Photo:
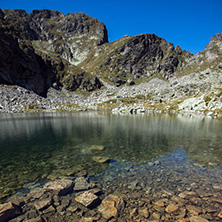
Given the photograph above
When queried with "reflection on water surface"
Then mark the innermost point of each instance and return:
(47, 145)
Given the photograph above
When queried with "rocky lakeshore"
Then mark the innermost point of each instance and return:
(194, 93)
(162, 190)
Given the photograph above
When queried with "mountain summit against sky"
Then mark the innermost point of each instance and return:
(47, 49)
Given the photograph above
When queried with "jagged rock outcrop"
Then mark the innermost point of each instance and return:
(208, 60)
(38, 50)
(140, 56)
(71, 36)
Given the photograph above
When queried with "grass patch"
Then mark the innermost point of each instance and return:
(111, 101)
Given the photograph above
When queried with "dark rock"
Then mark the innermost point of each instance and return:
(9, 211)
(81, 184)
(120, 82)
(32, 214)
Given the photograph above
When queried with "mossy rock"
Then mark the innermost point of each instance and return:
(97, 147)
(101, 159)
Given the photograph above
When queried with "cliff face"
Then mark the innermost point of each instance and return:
(70, 36)
(20, 65)
(39, 50)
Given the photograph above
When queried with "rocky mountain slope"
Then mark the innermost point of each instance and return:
(37, 55)
(65, 62)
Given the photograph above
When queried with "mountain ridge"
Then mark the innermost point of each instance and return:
(71, 54)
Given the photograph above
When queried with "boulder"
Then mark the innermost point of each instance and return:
(60, 187)
(111, 206)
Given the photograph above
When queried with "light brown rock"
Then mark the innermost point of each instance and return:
(197, 219)
(111, 206)
(144, 212)
(183, 220)
(87, 219)
(220, 215)
(35, 195)
(133, 212)
(42, 204)
(178, 200)
(182, 213)
(60, 187)
(187, 194)
(172, 208)
(217, 200)
(156, 216)
(195, 210)
(203, 193)
(87, 199)
(159, 203)
(218, 187)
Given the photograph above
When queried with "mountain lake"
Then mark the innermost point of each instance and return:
(146, 153)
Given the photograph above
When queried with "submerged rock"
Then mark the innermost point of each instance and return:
(97, 147)
(101, 159)
(111, 206)
(87, 199)
(197, 219)
(43, 204)
(172, 208)
(60, 187)
(81, 184)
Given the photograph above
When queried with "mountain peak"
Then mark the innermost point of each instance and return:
(75, 53)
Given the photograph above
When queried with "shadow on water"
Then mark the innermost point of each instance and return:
(35, 146)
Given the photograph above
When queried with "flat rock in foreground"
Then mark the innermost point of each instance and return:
(87, 199)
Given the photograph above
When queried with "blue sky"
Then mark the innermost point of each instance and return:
(188, 23)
